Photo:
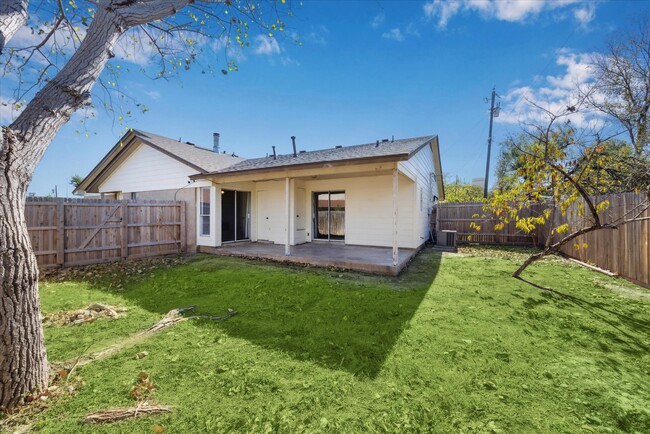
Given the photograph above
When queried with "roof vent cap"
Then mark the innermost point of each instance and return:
(302, 152)
(384, 140)
(339, 146)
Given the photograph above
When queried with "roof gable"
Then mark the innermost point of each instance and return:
(199, 159)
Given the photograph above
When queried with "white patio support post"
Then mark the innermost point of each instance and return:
(395, 202)
(287, 193)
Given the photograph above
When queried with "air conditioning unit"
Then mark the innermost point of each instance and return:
(446, 240)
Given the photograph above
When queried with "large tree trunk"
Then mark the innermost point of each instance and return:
(23, 362)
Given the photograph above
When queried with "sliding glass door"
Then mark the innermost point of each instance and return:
(329, 215)
(235, 215)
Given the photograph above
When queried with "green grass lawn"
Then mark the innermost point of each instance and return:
(453, 345)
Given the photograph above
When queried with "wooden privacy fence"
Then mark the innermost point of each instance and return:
(459, 217)
(624, 251)
(66, 232)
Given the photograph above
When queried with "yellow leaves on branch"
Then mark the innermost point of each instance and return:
(602, 206)
(528, 224)
(562, 228)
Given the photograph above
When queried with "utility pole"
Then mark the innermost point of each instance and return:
(494, 113)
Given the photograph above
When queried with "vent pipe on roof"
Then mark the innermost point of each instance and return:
(293, 140)
(392, 139)
(377, 144)
(215, 142)
(273, 152)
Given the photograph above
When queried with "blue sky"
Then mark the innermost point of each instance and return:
(366, 70)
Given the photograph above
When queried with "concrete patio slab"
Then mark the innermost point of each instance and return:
(378, 260)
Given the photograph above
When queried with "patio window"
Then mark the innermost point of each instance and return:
(329, 216)
(204, 211)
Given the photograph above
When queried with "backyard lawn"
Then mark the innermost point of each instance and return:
(452, 345)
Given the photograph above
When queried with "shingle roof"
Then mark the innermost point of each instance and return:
(403, 147)
(204, 159)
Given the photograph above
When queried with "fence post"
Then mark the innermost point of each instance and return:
(60, 233)
(125, 228)
(183, 234)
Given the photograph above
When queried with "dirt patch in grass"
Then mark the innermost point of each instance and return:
(623, 288)
(512, 253)
(113, 275)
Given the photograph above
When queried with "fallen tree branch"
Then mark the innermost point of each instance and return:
(81, 316)
(172, 317)
(113, 415)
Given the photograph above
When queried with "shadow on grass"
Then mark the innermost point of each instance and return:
(608, 316)
(340, 320)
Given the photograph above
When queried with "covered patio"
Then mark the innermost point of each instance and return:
(369, 259)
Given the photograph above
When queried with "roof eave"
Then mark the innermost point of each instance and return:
(331, 163)
(435, 143)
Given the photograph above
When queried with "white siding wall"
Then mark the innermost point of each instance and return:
(420, 167)
(368, 210)
(145, 170)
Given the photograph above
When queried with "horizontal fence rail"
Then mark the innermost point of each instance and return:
(460, 216)
(66, 232)
(624, 251)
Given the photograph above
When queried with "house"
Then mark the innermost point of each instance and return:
(146, 166)
(376, 194)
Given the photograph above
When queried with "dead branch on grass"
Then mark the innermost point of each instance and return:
(172, 317)
(81, 316)
(117, 414)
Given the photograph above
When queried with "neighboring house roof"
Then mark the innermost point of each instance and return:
(390, 150)
(200, 159)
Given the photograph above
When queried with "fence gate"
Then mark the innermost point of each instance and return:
(66, 232)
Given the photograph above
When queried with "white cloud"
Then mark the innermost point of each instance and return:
(232, 51)
(267, 46)
(317, 36)
(288, 61)
(443, 10)
(585, 15)
(394, 34)
(516, 11)
(153, 94)
(377, 21)
(553, 93)
(411, 29)
(135, 47)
